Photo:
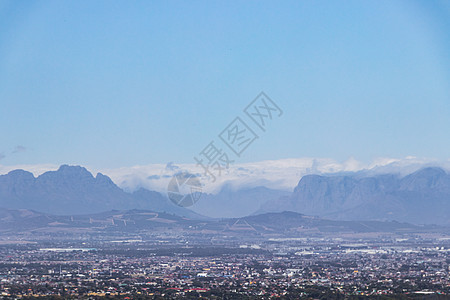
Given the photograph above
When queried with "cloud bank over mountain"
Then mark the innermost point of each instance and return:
(282, 174)
(74, 190)
(421, 197)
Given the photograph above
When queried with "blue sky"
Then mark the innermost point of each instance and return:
(110, 84)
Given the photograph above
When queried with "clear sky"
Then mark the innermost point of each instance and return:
(118, 83)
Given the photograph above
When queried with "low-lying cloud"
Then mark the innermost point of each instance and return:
(283, 174)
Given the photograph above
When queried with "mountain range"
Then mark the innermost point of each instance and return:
(74, 190)
(139, 221)
(422, 197)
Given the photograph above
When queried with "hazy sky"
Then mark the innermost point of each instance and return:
(118, 83)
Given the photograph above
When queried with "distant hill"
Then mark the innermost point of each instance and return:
(74, 190)
(284, 224)
(230, 203)
(422, 197)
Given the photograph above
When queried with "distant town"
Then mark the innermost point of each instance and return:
(235, 264)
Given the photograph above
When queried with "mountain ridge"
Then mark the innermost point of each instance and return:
(281, 224)
(74, 190)
(420, 197)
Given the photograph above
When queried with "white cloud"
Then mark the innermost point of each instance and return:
(19, 149)
(278, 174)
